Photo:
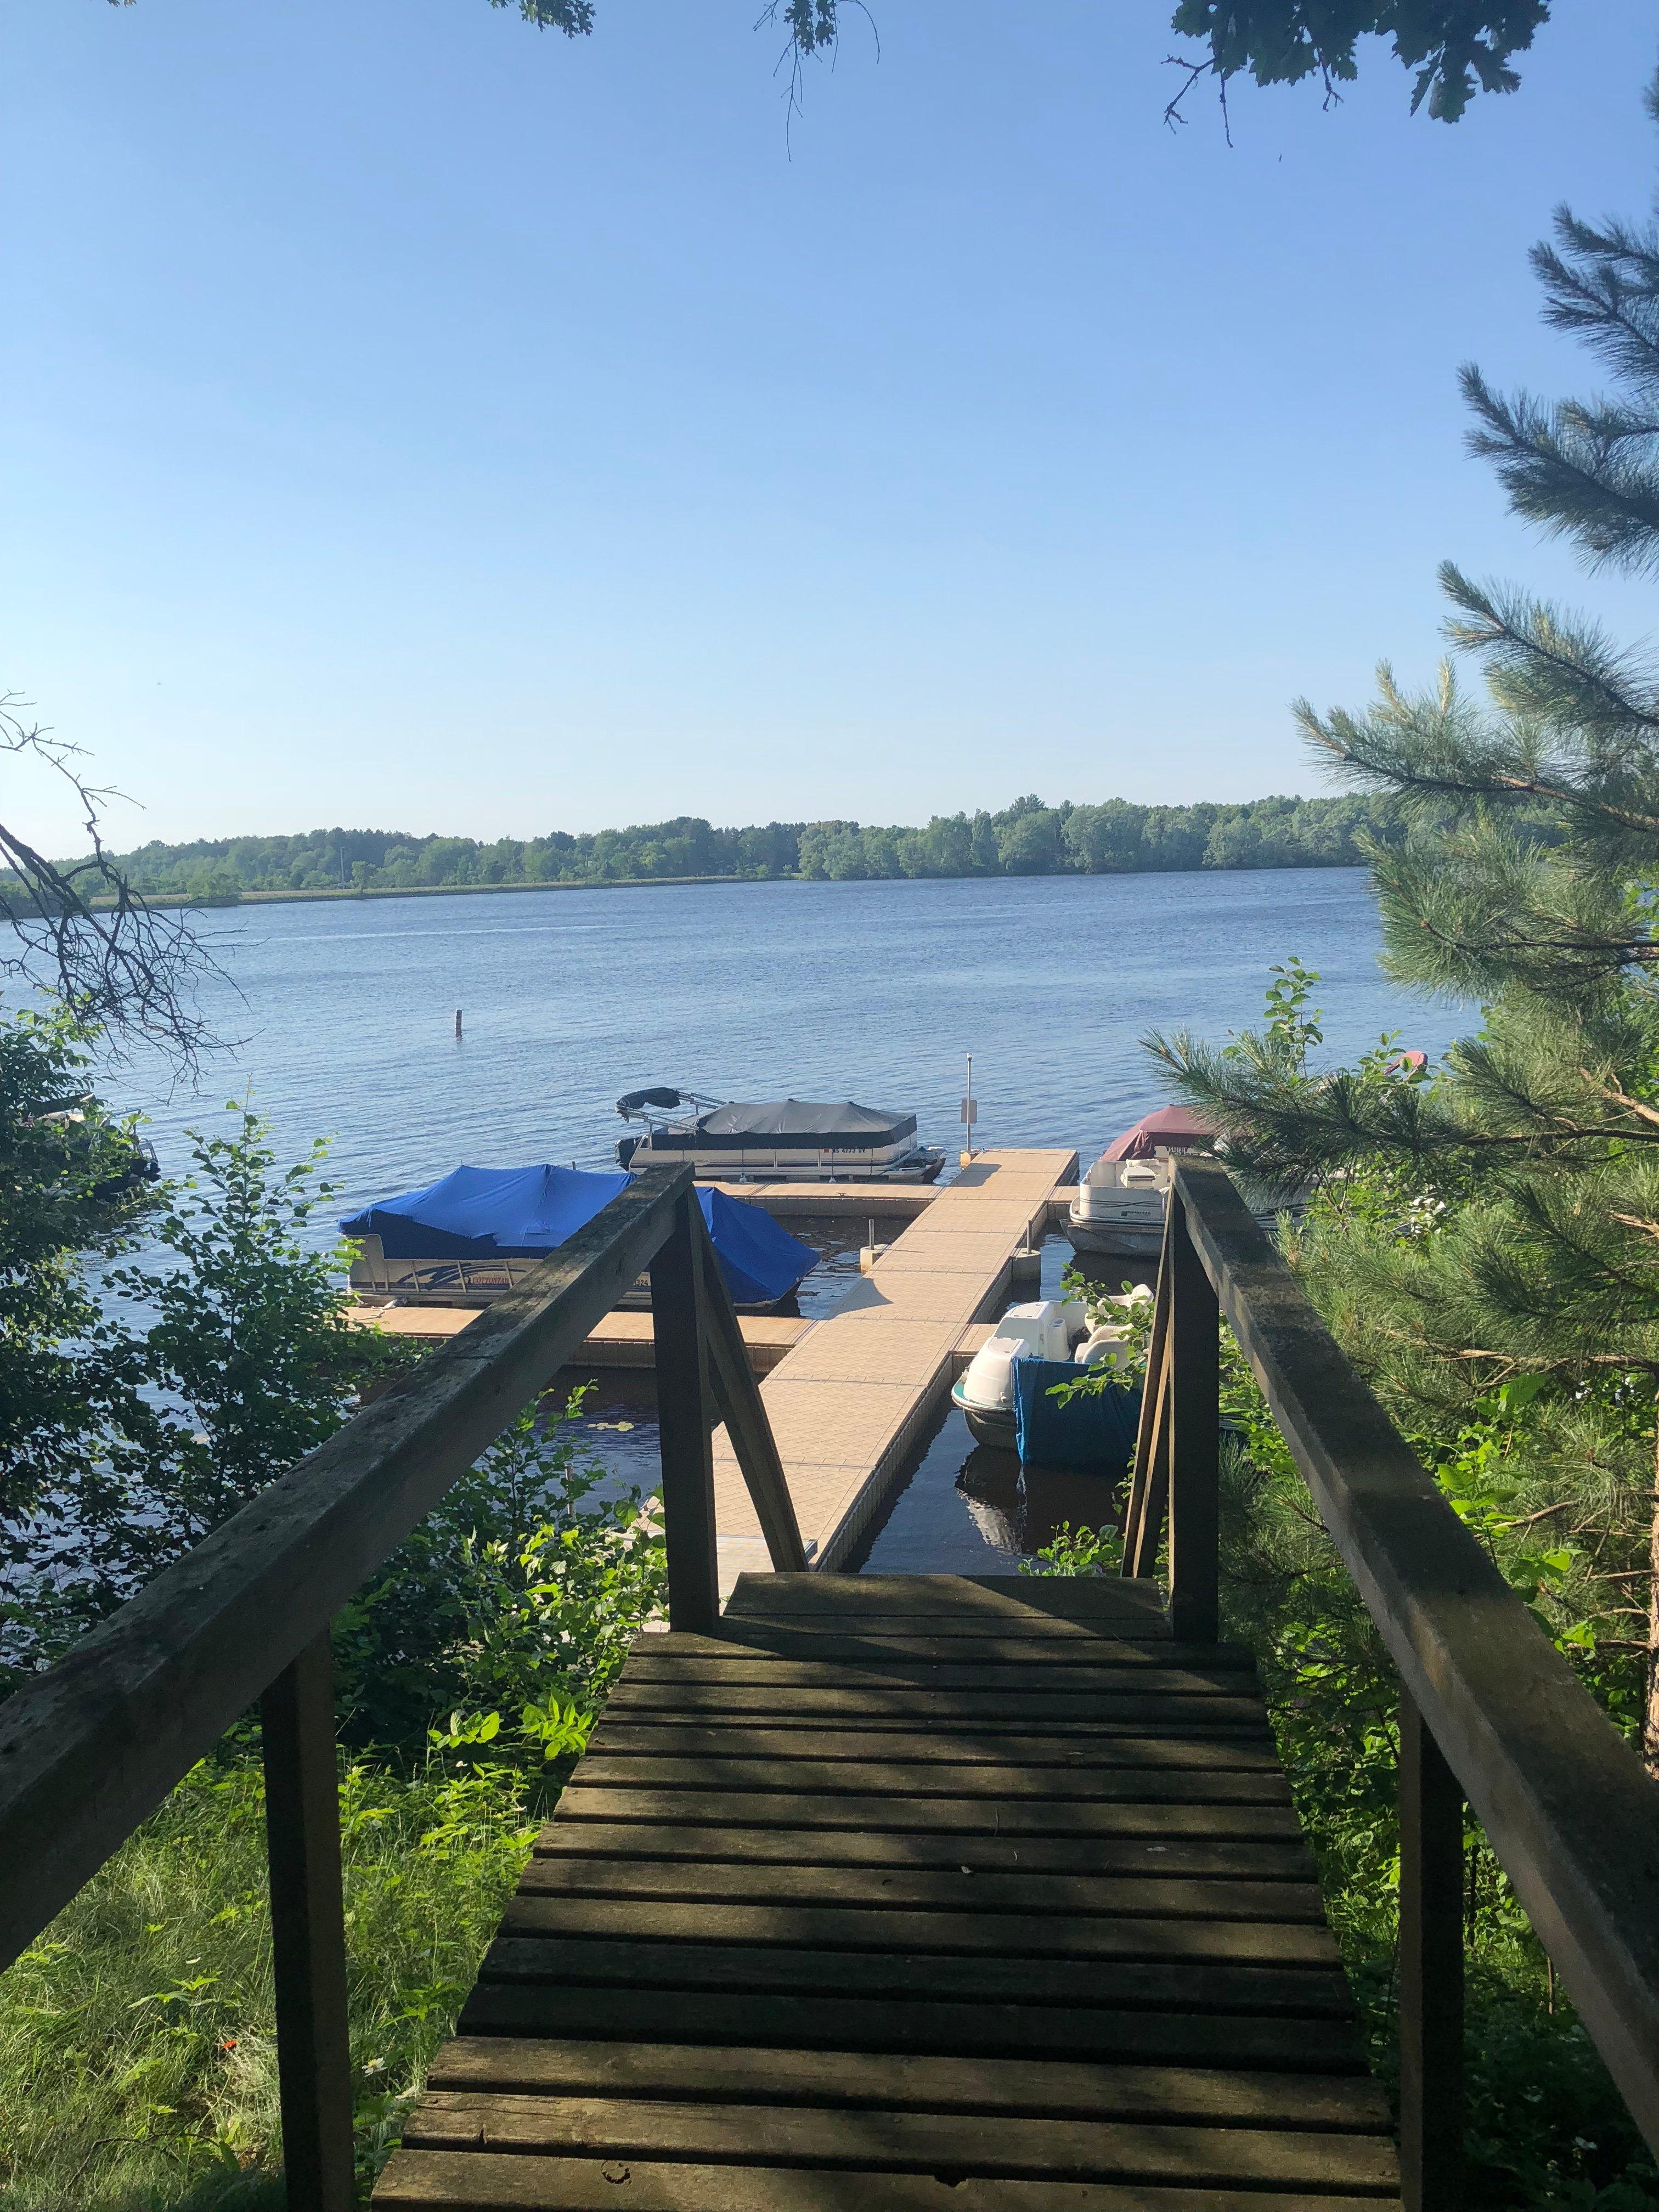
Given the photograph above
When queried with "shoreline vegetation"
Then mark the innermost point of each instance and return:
(1029, 838)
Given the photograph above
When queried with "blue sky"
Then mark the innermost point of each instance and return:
(411, 420)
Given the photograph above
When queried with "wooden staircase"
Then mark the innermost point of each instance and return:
(913, 1892)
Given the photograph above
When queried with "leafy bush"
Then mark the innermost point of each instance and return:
(137, 2063)
(133, 1425)
(507, 1613)
(1078, 1552)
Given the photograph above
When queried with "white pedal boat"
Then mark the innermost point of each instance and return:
(1046, 1328)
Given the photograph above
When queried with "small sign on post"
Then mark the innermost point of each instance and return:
(970, 1111)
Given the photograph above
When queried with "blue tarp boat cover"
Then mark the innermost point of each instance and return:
(485, 1214)
(1094, 1433)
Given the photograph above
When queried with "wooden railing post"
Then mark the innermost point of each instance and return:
(1149, 1480)
(1193, 1413)
(1430, 1972)
(738, 1402)
(307, 1932)
(685, 1419)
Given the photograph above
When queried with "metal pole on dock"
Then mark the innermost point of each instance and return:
(970, 1114)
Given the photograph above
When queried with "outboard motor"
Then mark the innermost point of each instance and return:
(626, 1148)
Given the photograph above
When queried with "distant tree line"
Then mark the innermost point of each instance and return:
(1114, 838)
(1026, 839)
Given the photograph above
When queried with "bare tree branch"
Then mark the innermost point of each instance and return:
(80, 931)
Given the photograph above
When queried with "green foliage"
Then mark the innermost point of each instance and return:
(140, 1421)
(1487, 1242)
(1453, 47)
(138, 2051)
(506, 1616)
(67, 1376)
(574, 17)
(1028, 838)
(1547, 2128)
(250, 1335)
(1075, 1550)
(136, 2055)
(1584, 468)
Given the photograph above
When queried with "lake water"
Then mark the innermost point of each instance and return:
(343, 1015)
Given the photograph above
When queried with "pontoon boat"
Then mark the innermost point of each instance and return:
(781, 1140)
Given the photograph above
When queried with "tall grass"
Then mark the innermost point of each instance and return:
(138, 2051)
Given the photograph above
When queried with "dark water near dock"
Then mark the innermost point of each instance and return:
(345, 1017)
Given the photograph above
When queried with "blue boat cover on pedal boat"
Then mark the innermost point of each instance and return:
(523, 1213)
(1093, 1433)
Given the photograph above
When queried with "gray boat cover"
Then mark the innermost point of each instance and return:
(786, 1123)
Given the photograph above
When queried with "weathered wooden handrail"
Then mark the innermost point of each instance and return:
(1565, 1803)
(89, 1748)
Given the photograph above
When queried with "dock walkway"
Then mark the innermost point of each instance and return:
(913, 1894)
(849, 1400)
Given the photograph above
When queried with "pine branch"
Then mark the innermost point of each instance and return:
(1567, 480)
(1602, 286)
(1597, 691)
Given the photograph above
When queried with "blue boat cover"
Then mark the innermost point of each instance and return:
(485, 1213)
(1093, 1433)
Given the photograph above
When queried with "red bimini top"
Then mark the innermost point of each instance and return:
(1175, 1127)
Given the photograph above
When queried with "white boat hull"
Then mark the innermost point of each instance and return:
(987, 1425)
(1127, 1239)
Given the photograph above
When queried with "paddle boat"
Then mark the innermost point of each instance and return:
(1044, 1329)
(1006, 1394)
(478, 1233)
(779, 1140)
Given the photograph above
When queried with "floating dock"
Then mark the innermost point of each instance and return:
(848, 1403)
(848, 1395)
(621, 1339)
(850, 1201)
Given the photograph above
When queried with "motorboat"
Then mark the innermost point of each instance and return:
(1045, 1329)
(779, 1140)
(132, 1158)
(1118, 1210)
(479, 1233)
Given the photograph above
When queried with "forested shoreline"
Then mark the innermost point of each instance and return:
(1029, 838)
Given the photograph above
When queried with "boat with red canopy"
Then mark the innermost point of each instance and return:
(1118, 1212)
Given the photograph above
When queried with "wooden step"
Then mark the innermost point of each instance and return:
(913, 1895)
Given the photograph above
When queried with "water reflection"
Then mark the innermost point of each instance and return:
(968, 1509)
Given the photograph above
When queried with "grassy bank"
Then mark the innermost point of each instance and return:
(137, 2050)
